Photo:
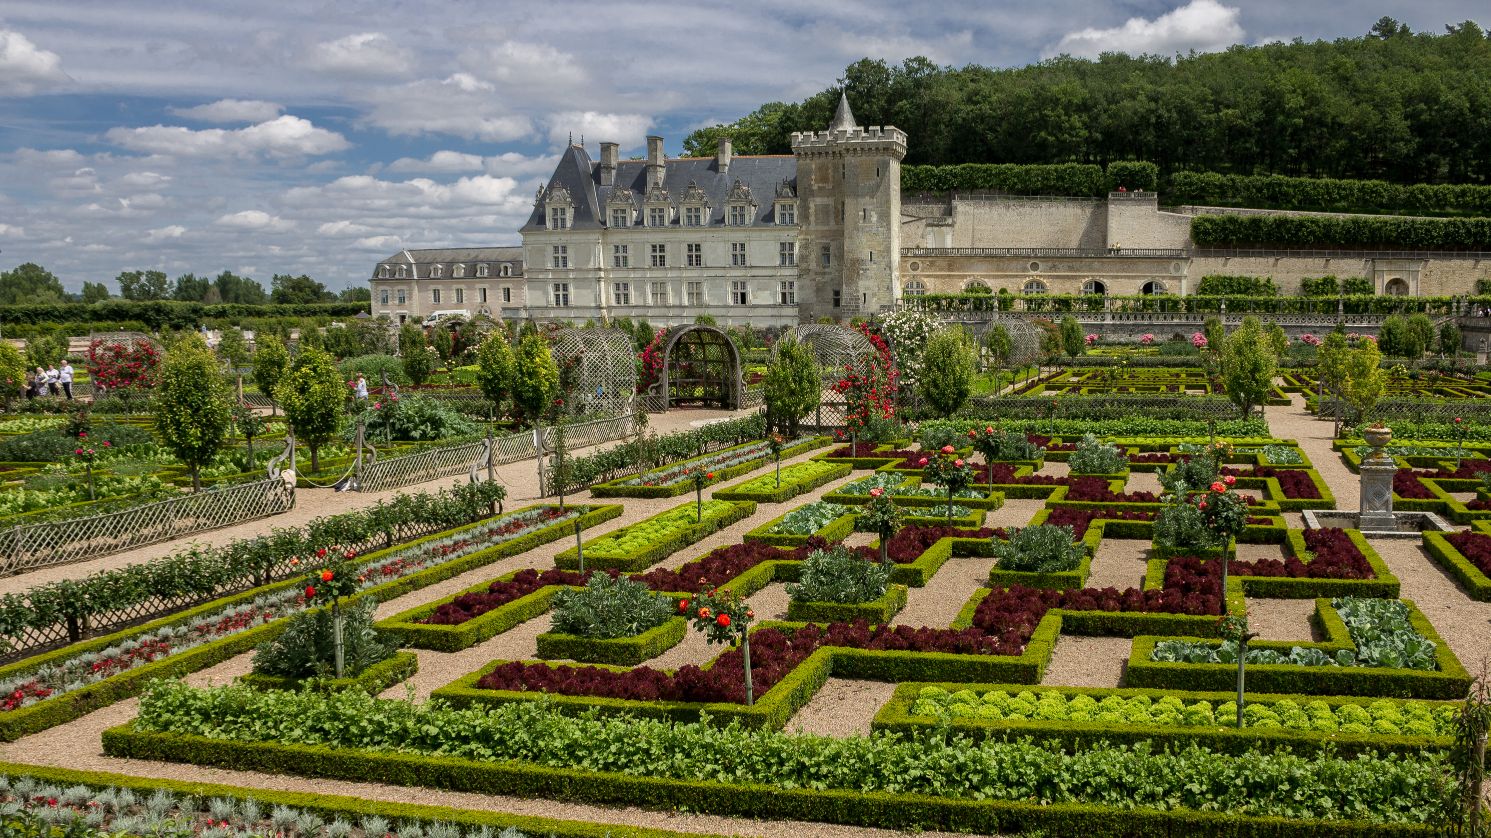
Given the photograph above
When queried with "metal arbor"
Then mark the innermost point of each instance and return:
(600, 364)
(836, 349)
(1025, 339)
(700, 366)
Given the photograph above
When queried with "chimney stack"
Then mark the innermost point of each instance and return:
(610, 153)
(654, 161)
(722, 155)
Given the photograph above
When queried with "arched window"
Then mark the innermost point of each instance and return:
(1397, 286)
(401, 272)
(460, 270)
(436, 271)
(1095, 286)
(383, 272)
(481, 270)
(915, 288)
(507, 270)
(976, 286)
(1033, 286)
(1154, 286)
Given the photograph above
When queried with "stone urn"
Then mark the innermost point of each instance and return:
(1378, 437)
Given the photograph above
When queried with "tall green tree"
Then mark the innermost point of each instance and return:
(192, 407)
(271, 361)
(1421, 330)
(1073, 341)
(356, 294)
(947, 372)
(12, 373)
(30, 283)
(46, 348)
(1000, 345)
(285, 288)
(1248, 366)
(94, 292)
(143, 285)
(535, 377)
(191, 288)
(232, 288)
(312, 393)
(1449, 338)
(232, 348)
(494, 369)
(1330, 366)
(444, 346)
(419, 363)
(1363, 380)
(792, 388)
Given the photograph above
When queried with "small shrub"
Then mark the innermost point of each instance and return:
(307, 648)
(414, 418)
(839, 575)
(1095, 457)
(609, 607)
(1196, 472)
(1182, 526)
(1043, 548)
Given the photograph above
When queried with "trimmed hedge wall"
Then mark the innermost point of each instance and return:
(618, 651)
(1475, 583)
(875, 612)
(1327, 194)
(662, 548)
(166, 314)
(400, 666)
(836, 530)
(1330, 231)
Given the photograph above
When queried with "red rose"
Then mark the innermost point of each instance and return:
(704, 613)
(321, 552)
(683, 605)
(310, 591)
(709, 476)
(750, 615)
(958, 463)
(948, 449)
(723, 619)
(1229, 480)
(1218, 487)
(922, 461)
(326, 575)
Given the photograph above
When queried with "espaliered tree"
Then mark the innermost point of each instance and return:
(193, 410)
(947, 378)
(271, 361)
(312, 393)
(1248, 365)
(494, 369)
(792, 388)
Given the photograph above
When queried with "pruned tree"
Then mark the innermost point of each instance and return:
(193, 410)
(271, 360)
(792, 387)
(494, 369)
(947, 372)
(1248, 365)
(312, 393)
(419, 362)
(535, 377)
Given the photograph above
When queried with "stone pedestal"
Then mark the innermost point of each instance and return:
(1376, 511)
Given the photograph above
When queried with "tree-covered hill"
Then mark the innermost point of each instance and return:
(1396, 105)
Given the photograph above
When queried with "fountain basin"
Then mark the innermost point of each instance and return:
(1407, 524)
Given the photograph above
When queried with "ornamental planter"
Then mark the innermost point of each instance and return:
(618, 651)
(875, 612)
(1378, 437)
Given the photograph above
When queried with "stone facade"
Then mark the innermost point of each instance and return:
(412, 284)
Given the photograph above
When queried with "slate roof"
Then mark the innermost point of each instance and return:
(422, 258)
(580, 175)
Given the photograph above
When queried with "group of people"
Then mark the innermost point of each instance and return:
(50, 380)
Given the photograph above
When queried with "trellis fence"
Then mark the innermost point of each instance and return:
(1416, 409)
(41, 545)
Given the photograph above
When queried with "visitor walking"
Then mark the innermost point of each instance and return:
(64, 377)
(362, 387)
(51, 378)
(32, 385)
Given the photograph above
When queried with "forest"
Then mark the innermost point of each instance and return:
(1394, 105)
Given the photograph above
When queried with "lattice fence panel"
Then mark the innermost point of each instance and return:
(62, 542)
(430, 464)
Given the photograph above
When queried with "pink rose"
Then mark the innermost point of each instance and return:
(922, 461)
(876, 492)
(958, 463)
(1229, 480)
(1218, 487)
(948, 449)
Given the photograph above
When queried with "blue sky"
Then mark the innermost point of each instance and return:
(289, 137)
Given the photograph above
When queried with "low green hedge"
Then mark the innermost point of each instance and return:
(836, 530)
(597, 556)
(400, 666)
(618, 651)
(616, 488)
(1056, 580)
(1475, 583)
(854, 808)
(796, 479)
(876, 612)
(1449, 681)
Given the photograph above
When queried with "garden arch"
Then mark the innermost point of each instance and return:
(701, 365)
(598, 368)
(1397, 287)
(1025, 340)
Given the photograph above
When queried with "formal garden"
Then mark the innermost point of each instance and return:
(1017, 580)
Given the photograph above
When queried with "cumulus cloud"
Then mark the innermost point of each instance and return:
(160, 234)
(287, 136)
(26, 68)
(364, 55)
(448, 162)
(253, 220)
(143, 180)
(10, 230)
(525, 66)
(231, 110)
(460, 104)
(1203, 25)
(628, 129)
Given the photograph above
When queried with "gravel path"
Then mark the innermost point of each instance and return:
(1120, 563)
(842, 708)
(1087, 661)
(1281, 619)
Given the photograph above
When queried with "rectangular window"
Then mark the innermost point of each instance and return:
(826, 255)
(739, 217)
(621, 256)
(435, 296)
(481, 295)
(558, 218)
(786, 213)
(737, 254)
(787, 254)
(659, 292)
(383, 297)
(787, 292)
(460, 295)
(621, 293)
(694, 293)
(620, 217)
(561, 256)
(660, 256)
(738, 294)
(693, 216)
(561, 294)
(838, 298)
(507, 294)
(402, 298)
(695, 255)
(657, 217)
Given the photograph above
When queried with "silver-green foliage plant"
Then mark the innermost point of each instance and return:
(1369, 787)
(839, 575)
(1096, 457)
(1044, 548)
(609, 607)
(810, 518)
(307, 647)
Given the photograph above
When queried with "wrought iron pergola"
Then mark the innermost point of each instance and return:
(604, 368)
(701, 365)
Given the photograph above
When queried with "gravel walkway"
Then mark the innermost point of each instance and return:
(1087, 661)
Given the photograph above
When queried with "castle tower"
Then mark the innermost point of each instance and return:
(849, 194)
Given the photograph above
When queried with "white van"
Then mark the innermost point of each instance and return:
(436, 316)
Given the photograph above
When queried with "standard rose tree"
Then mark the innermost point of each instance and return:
(1224, 514)
(332, 583)
(948, 470)
(725, 617)
(700, 476)
(880, 516)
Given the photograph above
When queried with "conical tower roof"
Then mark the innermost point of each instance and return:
(843, 117)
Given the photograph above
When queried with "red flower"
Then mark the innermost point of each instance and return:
(84, 434)
(922, 461)
(310, 591)
(709, 476)
(1218, 487)
(320, 552)
(947, 449)
(704, 613)
(326, 575)
(723, 619)
(683, 605)
(1229, 480)
(958, 463)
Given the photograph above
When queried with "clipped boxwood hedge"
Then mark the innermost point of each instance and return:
(1471, 579)
(400, 666)
(716, 518)
(618, 488)
(796, 479)
(875, 612)
(618, 651)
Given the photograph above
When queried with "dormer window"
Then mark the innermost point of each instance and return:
(621, 218)
(738, 217)
(695, 205)
(693, 216)
(558, 218)
(657, 216)
(400, 272)
(383, 272)
(658, 206)
(786, 212)
(459, 271)
(482, 270)
(740, 209)
(507, 270)
(436, 271)
(558, 202)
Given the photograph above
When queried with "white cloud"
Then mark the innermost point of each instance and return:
(59, 157)
(526, 66)
(1204, 25)
(26, 68)
(460, 104)
(10, 230)
(253, 220)
(144, 180)
(379, 243)
(287, 136)
(231, 110)
(333, 229)
(441, 162)
(364, 55)
(630, 130)
(160, 234)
